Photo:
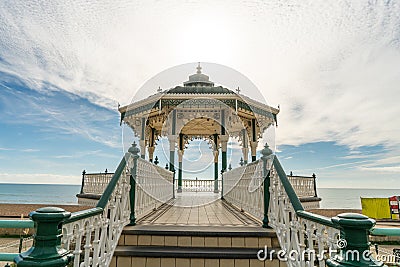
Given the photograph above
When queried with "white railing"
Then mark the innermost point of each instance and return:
(308, 237)
(93, 236)
(243, 187)
(95, 183)
(304, 186)
(191, 185)
(153, 187)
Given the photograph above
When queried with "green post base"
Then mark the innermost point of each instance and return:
(46, 250)
(354, 231)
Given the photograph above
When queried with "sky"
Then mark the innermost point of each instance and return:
(333, 67)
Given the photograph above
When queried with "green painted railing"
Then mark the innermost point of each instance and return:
(19, 224)
(87, 237)
(47, 249)
(390, 231)
(8, 256)
(354, 228)
(14, 224)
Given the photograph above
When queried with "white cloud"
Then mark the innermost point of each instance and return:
(39, 178)
(54, 113)
(333, 66)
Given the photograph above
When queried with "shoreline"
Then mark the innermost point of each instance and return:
(19, 210)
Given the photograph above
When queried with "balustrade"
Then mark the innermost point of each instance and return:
(95, 183)
(243, 188)
(89, 237)
(199, 185)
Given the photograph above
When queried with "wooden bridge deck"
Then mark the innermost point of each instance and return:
(198, 209)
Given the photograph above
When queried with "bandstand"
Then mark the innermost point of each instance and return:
(199, 109)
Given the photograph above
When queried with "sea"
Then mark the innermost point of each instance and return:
(332, 198)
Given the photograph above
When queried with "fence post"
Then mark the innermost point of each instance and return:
(354, 241)
(222, 184)
(173, 185)
(134, 150)
(83, 181)
(315, 184)
(46, 249)
(266, 153)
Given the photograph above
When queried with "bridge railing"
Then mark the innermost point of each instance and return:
(199, 185)
(311, 237)
(306, 239)
(89, 237)
(303, 186)
(153, 186)
(243, 187)
(95, 183)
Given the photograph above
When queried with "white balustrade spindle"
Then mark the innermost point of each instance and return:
(243, 187)
(309, 240)
(153, 187)
(93, 239)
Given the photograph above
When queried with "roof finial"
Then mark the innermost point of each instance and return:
(198, 69)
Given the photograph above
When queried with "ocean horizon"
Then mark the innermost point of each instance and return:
(332, 198)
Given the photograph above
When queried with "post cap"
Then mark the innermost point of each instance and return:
(353, 220)
(266, 151)
(49, 214)
(134, 149)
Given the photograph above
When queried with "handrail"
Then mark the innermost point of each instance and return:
(8, 256)
(316, 218)
(390, 231)
(298, 207)
(301, 231)
(286, 184)
(16, 224)
(83, 214)
(114, 180)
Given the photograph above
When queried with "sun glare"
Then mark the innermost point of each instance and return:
(208, 38)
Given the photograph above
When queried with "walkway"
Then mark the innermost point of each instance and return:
(198, 209)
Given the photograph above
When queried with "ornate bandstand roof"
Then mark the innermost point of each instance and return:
(198, 95)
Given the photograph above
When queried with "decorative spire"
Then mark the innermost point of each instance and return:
(198, 68)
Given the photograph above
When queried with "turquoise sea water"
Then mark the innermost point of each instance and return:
(341, 198)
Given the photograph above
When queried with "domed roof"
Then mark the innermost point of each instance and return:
(199, 83)
(198, 79)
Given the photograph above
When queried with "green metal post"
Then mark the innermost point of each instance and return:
(354, 242)
(173, 186)
(216, 177)
(180, 158)
(266, 153)
(134, 150)
(215, 137)
(179, 177)
(46, 249)
(222, 183)
(83, 181)
(224, 160)
(171, 161)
